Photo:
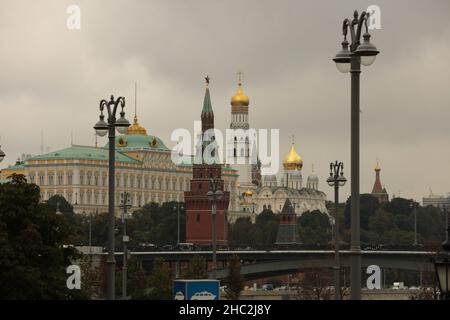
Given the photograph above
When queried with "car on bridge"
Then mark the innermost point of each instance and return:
(186, 246)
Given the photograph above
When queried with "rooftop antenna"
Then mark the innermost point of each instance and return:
(71, 137)
(95, 134)
(135, 99)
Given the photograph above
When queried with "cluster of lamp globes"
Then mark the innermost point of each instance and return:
(2, 154)
(366, 51)
(336, 179)
(121, 124)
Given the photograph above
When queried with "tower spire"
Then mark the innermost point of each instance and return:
(207, 115)
(135, 100)
(136, 128)
(377, 187)
(239, 74)
(207, 107)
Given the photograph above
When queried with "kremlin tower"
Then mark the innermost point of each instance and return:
(198, 207)
(287, 229)
(378, 191)
(239, 145)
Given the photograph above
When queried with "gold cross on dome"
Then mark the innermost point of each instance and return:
(239, 74)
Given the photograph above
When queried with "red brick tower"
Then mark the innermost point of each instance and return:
(378, 191)
(198, 207)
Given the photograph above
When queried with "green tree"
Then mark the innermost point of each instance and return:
(314, 228)
(314, 284)
(266, 227)
(160, 282)
(240, 233)
(368, 206)
(92, 279)
(234, 281)
(33, 255)
(137, 280)
(196, 268)
(157, 224)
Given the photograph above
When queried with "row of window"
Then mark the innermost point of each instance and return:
(123, 181)
(90, 198)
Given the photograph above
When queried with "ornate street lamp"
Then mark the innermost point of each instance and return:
(214, 195)
(2, 154)
(350, 58)
(102, 128)
(442, 267)
(336, 180)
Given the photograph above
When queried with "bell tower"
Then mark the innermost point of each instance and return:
(239, 144)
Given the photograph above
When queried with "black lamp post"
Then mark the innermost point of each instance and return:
(125, 205)
(102, 128)
(442, 267)
(214, 195)
(414, 207)
(336, 180)
(177, 207)
(350, 59)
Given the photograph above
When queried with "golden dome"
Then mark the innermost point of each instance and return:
(248, 193)
(136, 129)
(240, 99)
(292, 161)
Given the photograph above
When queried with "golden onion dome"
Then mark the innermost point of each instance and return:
(136, 129)
(240, 99)
(248, 193)
(292, 161)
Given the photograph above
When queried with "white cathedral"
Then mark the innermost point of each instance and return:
(257, 193)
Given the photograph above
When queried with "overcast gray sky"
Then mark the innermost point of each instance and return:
(52, 78)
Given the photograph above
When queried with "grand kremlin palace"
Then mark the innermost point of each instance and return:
(143, 168)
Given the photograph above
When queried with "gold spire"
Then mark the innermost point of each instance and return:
(292, 161)
(135, 128)
(240, 98)
(377, 167)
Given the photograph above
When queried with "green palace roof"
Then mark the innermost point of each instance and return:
(19, 165)
(138, 143)
(83, 153)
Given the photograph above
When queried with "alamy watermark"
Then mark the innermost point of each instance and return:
(73, 21)
(374, 21)
(237, 146)
(74, 280)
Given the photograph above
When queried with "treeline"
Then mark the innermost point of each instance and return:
(392, 224)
